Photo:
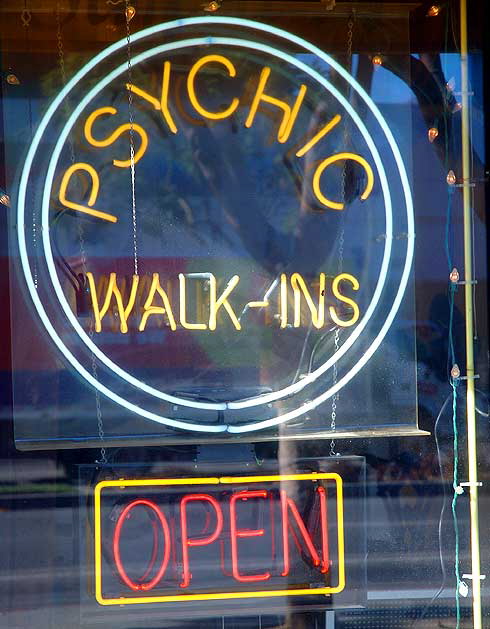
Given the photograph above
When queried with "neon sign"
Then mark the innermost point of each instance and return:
(78, 189)
(219, 538)
(126, 306)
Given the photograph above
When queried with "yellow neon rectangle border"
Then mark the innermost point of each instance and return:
(225, 480)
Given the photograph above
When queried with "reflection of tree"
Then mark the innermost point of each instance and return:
(439, 108)
(225, 167)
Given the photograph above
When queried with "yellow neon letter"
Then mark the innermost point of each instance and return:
(318, 136)
(289, 114)
(335, 289)
(192, 92)
(215, 304)
(115, 135)
(164, 97)
(152, 310)
(299, 286)
(182, 299)
(93, 193)
(283, 301)
(336, 158)
(162, 104)
(112, 289)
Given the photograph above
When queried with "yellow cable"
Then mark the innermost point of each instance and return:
(468, 291)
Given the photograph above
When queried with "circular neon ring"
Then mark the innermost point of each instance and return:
(404, 180)
(51, 265)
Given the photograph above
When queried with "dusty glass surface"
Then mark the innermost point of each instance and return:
(253, 262)
(223, 198)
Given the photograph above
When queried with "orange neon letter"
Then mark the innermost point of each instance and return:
(212, 115)
(112, 289)
(317, 314)
(318, 136)
(216, 303)
(162, 104)
(283, 301)
(149, 309)
(289, 113)
(94, 191)
(287, 504)
(344, 277)
(133, 127)
(186, 542)
(334, 205)
(240, 533)
(183, 315)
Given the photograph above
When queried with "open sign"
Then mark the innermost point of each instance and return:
(174, 539)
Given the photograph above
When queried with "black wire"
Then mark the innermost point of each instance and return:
(303, 351)
(316, 347)
(478, 410)
(68, 272)
(441, 516)
(452, 10)
(444, 503)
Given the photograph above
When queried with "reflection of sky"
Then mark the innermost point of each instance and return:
(388, 89)
(385, 89)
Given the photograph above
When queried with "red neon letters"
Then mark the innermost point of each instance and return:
(289, 504)
(237, 533)
(166, 554)
(186, 542)
(226, 527)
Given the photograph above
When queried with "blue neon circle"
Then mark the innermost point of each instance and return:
(111, 76)
(265, 398)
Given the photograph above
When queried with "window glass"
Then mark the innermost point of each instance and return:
(244, 376)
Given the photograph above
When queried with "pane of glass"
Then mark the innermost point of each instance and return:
(271, 198)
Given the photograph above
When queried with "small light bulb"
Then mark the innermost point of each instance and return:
(12, 79)
(455, 372)
(463, 589)
(212, 6)
(130, 12)
(454, 276)
(451, 178)
(432, 134)
(377, 60)
(5, 199)
(434, 11)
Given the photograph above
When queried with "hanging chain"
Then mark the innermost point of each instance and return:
(26, 18)
(98, 410)
(61, 63)
(81, 240)
(336, 396)
(131, 137)
(350, 31)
